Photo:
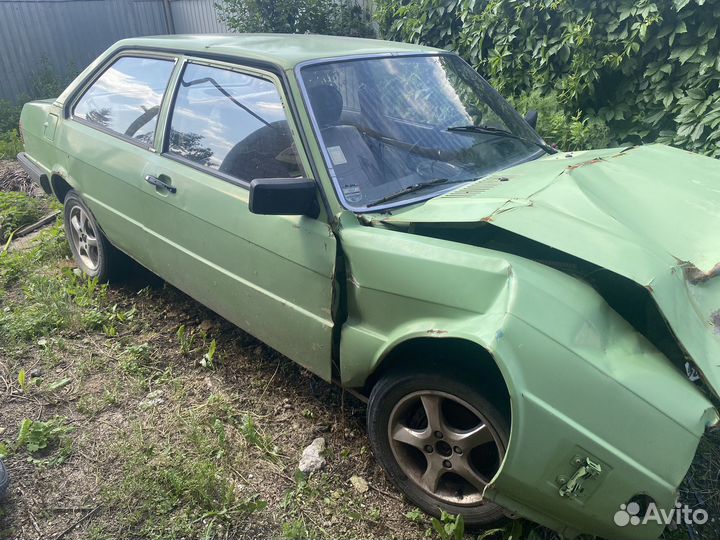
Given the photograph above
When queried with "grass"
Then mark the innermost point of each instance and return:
(18, 209)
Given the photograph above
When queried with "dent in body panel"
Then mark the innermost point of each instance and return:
(581, 380)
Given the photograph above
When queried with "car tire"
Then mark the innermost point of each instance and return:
(4, 480)
(92, 251)
(398, 404)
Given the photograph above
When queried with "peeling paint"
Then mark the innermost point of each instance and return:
(695, 276)
(583, 164)
(715, 321)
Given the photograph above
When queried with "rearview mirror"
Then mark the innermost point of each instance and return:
(531, 118)
(284, 197)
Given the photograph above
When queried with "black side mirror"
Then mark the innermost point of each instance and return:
(284, 197)
(531, 118)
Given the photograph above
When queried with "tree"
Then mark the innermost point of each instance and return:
(344, 18)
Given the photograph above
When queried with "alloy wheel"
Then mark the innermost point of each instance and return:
(84, 238)
(445, 446)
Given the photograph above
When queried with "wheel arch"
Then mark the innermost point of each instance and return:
(60, 186)
(458, 355)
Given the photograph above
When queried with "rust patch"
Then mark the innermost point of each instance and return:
(583, 164)
(694, 275)
(715, 321)
(487, 219)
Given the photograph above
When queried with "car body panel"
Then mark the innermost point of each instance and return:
(583, 383)
(645, 213)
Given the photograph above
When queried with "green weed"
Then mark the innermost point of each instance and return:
(208, 358)
(186, 339)
(449, 527)
(254, 437)
(39, 439)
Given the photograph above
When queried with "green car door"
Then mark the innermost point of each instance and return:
(109, 139)
(270, 275)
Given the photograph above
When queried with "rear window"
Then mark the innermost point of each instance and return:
(126, 98)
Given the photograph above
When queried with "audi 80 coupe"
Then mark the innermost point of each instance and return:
(537, 332)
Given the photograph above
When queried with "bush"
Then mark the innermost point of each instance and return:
(10, 144)
(566, 131)
(649, 70)
(297, 17)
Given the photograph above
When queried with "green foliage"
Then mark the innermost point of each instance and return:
(46, 82)
(253, 436)
(51, 304)
(10, 144)
(449, 527)
(566, 131)
(297, 17)
(50, 244)
(208, 359)
(182, 488)
(17, 209)
(186, 339)
(649, 70)
(295, 530)
(41, 438)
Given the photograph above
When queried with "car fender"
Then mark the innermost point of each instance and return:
(583, 384)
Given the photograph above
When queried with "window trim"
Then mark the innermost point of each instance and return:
(92, 79)
(244, 70)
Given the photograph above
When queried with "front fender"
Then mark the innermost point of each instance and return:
(582, 382)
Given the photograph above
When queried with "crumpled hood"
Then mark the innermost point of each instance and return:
(649, 213)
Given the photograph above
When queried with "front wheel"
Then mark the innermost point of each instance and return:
(440, 441)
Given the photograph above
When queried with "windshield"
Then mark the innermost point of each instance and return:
(395, 130)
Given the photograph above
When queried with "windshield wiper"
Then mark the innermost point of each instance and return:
(489, 130)
(415, 187)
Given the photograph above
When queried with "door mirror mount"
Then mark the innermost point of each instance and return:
(284, 197)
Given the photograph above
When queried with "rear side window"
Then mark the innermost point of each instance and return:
(126, 98)
(232, 123)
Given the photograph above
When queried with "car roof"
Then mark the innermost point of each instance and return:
(284, 50)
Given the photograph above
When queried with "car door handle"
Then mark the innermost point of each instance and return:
(155, 181)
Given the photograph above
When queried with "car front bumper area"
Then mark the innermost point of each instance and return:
(605, 422)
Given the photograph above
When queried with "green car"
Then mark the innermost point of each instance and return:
(536, 332)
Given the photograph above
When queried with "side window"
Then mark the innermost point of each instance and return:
(232, 123)
(126, 98)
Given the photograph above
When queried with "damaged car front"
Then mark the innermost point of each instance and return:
(588, 279)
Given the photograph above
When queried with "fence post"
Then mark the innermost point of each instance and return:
(169, 21)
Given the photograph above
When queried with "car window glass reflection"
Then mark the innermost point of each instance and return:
(233, 123)
(396, 127)
(126, 98)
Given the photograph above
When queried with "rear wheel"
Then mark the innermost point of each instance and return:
(94, 255)
(440, 441)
